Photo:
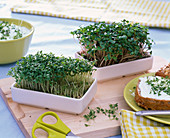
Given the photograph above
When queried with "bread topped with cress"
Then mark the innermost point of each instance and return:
(153, 92)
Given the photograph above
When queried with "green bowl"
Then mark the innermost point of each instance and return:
(13, 50)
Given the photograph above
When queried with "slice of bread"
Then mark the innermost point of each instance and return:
(150, 103)
(164, 71)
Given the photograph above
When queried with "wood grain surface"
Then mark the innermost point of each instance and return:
(108, 92)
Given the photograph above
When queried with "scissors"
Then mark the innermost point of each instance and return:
(57, 130)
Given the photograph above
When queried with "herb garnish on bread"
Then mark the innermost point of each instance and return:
(153, 92)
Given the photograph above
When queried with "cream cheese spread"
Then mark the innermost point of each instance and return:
(160, 84)
(11, 31)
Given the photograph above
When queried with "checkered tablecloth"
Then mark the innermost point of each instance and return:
(133, 126)
(146, 12)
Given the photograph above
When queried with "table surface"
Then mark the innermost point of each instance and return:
(53, 35)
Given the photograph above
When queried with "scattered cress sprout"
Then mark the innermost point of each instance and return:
(111, 113)
(56, 75)
(109, 44)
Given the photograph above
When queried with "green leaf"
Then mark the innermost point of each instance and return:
(118, 39)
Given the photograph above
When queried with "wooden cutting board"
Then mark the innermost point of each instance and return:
(108, 92)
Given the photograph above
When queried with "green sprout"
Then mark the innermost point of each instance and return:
(55, 75)
(111, 113)
(109, 44)
(158, 85)
(9, 31)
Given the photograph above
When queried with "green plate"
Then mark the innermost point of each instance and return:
(129, 96)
